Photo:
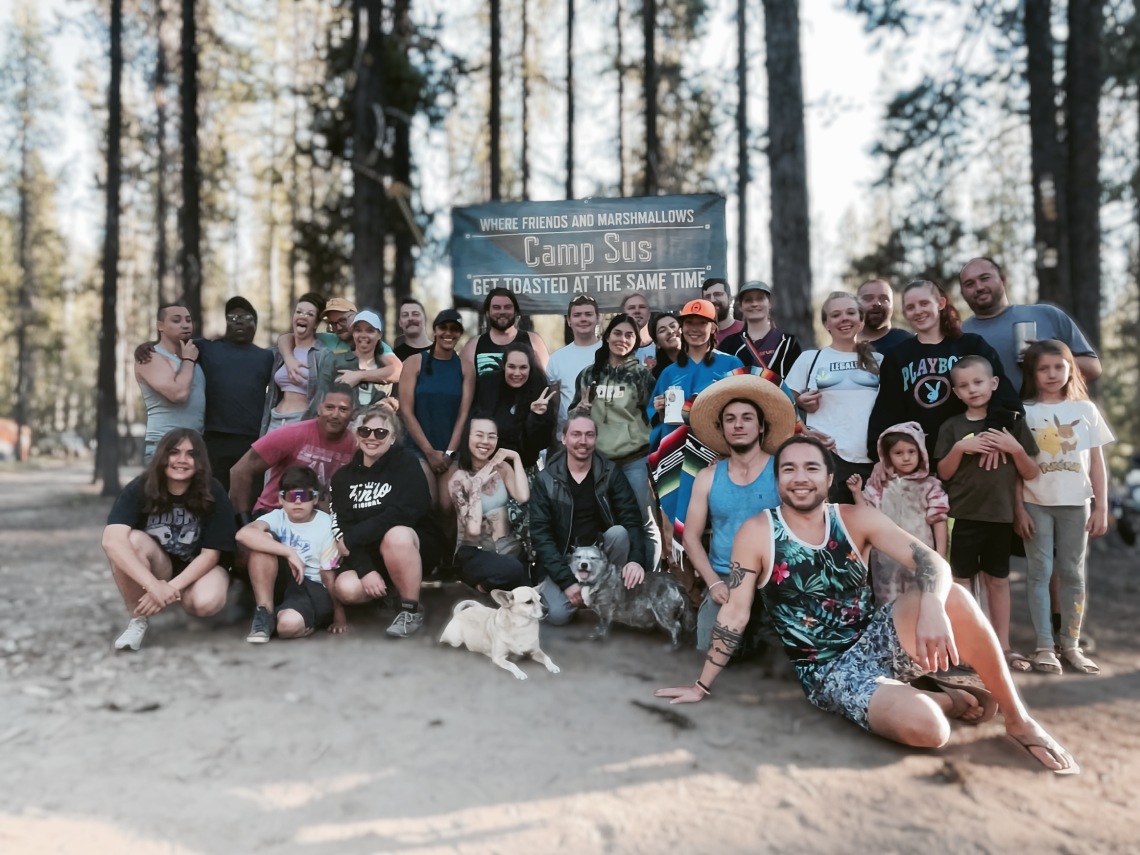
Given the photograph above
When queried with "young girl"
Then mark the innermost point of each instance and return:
(910, 496)
(1053, 510)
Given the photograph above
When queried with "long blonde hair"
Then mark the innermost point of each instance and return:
(864, 352)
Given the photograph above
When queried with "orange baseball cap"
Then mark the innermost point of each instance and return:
(699, 308)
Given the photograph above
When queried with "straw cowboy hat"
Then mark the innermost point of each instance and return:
(704, 418)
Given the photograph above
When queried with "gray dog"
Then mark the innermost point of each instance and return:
(658, 601)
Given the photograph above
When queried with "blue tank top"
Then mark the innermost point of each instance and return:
(818, 594)
(163, 415)
(438, 396)
(730, 504)
(496, 500)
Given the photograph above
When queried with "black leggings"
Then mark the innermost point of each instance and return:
(488, 570)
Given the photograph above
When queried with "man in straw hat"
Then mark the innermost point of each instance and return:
(865, 662)
(743, 418)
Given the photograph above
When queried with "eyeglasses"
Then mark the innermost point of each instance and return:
(239, 317)
(365, 432)
(291, 496)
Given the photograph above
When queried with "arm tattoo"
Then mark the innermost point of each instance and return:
(725, 643)
(737, 574)
(930, 571)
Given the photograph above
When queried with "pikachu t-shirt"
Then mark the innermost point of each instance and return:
(1065, 433)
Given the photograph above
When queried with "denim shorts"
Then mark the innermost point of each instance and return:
(845, 684)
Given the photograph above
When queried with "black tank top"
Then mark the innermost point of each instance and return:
(489, 356)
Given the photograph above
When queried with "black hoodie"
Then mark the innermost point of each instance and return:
(367, 501)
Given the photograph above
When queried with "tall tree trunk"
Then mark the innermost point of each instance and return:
(24, 324)
(191, 217)
(569, 99)
(742, 141)
(496, 117)
(524, 50)
(652, 142)
(1050, 223)
(1083, 79)
(619, 65)
(161, 204)
(106, 427)
(369, 227)
(790, 226)
(405, 263)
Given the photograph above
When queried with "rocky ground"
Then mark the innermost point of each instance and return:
(201, 743)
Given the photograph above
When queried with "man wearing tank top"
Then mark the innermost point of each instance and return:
(174, 387)
(485, 353)
(860, 661)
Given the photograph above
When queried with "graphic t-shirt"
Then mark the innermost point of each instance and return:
(848, 397)
(977, 493)
(300, 444)
(312, 541)
(1065, 433)
(179, 532)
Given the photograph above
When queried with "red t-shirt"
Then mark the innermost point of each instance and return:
(300, 444)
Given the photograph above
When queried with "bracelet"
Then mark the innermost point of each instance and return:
(188, 359)
(717, 582)
(703, 688)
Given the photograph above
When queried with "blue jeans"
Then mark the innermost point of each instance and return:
(1061, 527)
(615, 543)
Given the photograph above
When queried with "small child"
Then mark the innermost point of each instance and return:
(980, 468)
(911, 496)
(1054, 513)
(293, 543)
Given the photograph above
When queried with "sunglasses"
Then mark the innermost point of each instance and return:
(365, 432)
(299, 495)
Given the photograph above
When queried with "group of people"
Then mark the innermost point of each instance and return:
(336, 471)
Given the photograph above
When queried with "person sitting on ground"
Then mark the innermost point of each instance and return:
(174, 387)
(759, 343)
(903, 487)
(292, 554)
(853, 658)
(288, 399)
(412, 322)
(354, 367)
(322, 444)
(490, 555)
(168, 535)
(982, 497)
(744, 419)
(579, 499)
(666, 332)
(517, 398)
(382, 515)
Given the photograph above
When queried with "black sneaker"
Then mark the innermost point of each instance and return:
(264, 623)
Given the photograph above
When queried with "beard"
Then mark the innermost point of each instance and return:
(722, 313)
(502, 323)
(876, 318)
(744, 447)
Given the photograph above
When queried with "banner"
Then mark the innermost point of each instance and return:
(547, 253)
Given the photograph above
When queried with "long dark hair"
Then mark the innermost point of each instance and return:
(1074, 390)
(466, 464)
(602, 355)
(662, 360)
(198, 498)
(949, 321)
(535, 383)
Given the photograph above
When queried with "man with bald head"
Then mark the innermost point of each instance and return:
(983, 289)
(878, 302)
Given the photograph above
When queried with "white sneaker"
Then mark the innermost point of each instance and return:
(132, 636)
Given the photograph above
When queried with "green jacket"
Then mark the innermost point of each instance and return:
(619, 398)
(552, 509)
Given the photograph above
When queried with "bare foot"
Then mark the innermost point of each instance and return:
(1046, 750)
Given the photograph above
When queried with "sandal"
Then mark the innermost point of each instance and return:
(1046, 661)
(1016, 661)
(1078, 660)
(959, 706)
(1040, 739)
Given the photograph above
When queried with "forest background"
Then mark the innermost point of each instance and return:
(196, 149)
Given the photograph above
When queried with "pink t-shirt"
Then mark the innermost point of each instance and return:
(300, 444)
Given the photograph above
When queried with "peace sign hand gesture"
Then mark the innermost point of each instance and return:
(539, 405)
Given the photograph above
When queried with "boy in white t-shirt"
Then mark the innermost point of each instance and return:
(291, 561)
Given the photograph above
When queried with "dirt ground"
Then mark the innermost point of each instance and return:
(201, 743)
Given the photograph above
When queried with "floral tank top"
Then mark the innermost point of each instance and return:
(818, 596)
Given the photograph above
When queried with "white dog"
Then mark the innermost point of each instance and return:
(497, 633)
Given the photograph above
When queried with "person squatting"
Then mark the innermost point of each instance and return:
(842, 501)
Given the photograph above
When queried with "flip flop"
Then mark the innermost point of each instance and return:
(1016, 661)
(1041, 739)
(959, 706)
(1078, 660)
(1046, 661)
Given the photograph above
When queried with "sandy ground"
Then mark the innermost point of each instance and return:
(201, 743)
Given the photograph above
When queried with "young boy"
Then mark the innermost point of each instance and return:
(292, 553)
(980, 460)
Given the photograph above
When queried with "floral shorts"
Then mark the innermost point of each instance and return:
(845, 684)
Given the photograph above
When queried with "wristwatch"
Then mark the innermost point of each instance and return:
(449, 454)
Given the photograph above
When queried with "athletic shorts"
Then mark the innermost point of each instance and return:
(366, 559)
(310, 600)
(980, 547)
(844, 685)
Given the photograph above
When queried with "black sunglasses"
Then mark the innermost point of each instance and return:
(365, 432)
